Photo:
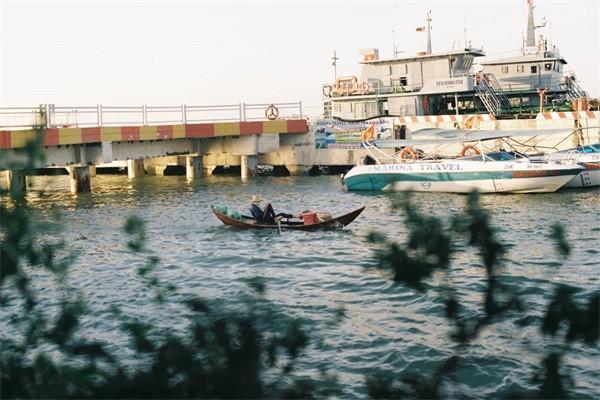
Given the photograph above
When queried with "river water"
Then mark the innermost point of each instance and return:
(310, 275)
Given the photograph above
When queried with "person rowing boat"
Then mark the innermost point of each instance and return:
(266, 216)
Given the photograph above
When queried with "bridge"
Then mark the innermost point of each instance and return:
(146, 139)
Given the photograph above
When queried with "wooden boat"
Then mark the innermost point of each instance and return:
(248, 223)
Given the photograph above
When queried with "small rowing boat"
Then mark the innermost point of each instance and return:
(245, 222)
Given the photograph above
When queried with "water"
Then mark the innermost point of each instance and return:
(310, 275)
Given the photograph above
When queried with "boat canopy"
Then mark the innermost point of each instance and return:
(432, 136)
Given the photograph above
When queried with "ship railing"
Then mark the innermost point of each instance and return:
(534, 83)
(378, 88)
(50, 116)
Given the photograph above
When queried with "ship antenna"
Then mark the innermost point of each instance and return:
(334, 60)
(429, 32)
(465, 28)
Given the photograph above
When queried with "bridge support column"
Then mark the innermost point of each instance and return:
(158, 170)
(248, 165)
(15, 181)
(193, 167)
(92, 170)
(80, 179)
(298, 169)
(135, 168)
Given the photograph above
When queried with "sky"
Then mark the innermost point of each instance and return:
(203, 53)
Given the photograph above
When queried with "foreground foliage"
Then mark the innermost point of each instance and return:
(429, 249)
(250, 352)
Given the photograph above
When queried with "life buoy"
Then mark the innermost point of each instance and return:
(272, 112)
(327, 90)
(471, 149)
(365, 87)
(407, 153)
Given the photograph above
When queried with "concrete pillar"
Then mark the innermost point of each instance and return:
(193, 167)
(92, 170)
(248, 166)
(244, 167)
(15, 181)
(135, 168)
(80, 179)
(298, 169)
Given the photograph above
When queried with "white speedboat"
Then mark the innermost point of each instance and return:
(493, 172)
(588, 157)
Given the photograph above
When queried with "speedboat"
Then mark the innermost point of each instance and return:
(588, 157)
(486, 172)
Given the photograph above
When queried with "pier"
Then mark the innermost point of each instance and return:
(147, 139)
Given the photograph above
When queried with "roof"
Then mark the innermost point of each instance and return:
(471, 51)
(526, 58)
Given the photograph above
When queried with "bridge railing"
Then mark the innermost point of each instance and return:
(53, 116)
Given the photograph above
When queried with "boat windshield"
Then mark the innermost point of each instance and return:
(501, 156)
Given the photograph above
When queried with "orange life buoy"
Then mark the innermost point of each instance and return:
(473, 150)
(407, 153)
(365, 87)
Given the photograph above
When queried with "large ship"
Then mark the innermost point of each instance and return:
(453, 83)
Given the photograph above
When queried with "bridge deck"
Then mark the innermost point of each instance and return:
(10, 139)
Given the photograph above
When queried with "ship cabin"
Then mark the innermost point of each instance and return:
(416, 85)
(429, 83)
(535, 75)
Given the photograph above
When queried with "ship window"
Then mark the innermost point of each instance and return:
(520, 68)
(390, 70)
(548, 66)
(403, 81)
(534, 69)
(468, 62)
(504, 69)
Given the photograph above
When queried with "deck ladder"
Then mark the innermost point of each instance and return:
(574, 90)
(491, 94)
